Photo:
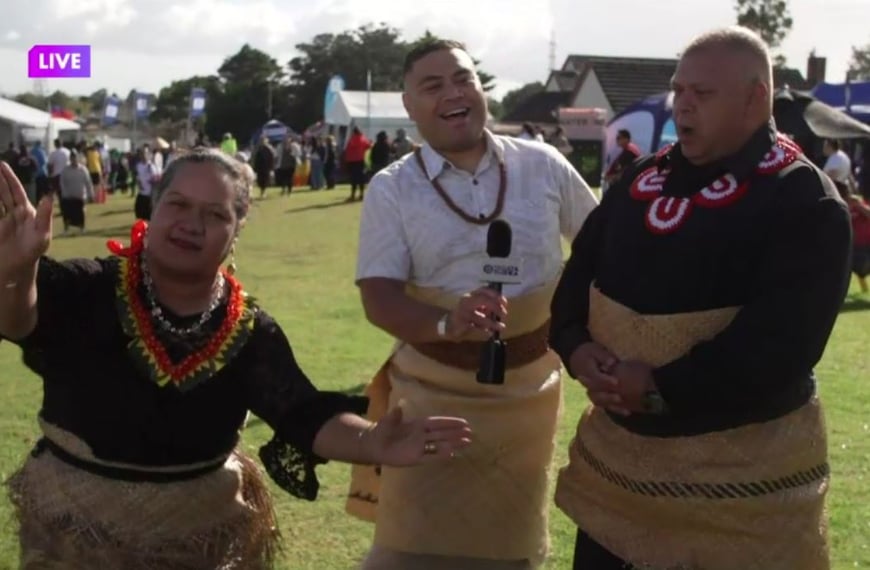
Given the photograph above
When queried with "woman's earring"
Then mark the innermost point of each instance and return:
(231, 268)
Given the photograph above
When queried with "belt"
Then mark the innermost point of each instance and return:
(520, 350)
(125, 473)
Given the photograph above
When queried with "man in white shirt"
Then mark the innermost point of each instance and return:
(838, 166)
(423, 234)
(57, 161)
(147, 175)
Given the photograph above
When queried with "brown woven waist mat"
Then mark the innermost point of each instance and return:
(520, 350)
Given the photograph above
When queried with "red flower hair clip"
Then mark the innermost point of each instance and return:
(137, 241)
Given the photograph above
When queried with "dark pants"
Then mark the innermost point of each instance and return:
(329, 174)
(357, 172)
(263, 180)
(142, 207)
(589, 555)
(284, 178)
(43, 187)
(73, 212)
(54, 185)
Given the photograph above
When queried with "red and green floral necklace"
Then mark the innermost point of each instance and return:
(146, 349)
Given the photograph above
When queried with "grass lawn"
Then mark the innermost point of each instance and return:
(297, 256)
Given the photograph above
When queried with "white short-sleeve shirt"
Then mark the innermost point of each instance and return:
(839, 167)
(408, 233)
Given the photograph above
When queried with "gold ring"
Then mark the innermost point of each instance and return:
(430, 448)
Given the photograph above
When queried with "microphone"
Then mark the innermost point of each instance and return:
(498, 269)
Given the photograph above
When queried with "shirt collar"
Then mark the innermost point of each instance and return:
(436, 164)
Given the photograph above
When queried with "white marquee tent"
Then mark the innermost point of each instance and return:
(371, 112)
(21, 121)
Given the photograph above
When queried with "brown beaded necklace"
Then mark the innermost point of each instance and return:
(481, 221)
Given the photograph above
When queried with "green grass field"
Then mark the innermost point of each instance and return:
(297, 256)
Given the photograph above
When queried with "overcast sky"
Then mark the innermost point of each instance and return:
(145, 44)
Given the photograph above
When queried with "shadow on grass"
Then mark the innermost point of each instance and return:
(853, 304)
(114, 211)
(343, 202)
(114, 231)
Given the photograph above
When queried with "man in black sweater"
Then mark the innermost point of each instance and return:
(698, 298)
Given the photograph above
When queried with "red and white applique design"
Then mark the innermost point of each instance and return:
(784, 152)
(720, 192)
(664, 150)
(649, 184)
(665, 214)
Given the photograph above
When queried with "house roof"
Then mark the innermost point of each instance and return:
(627, 79)
(624, 80)
(539, 108)
(565, 80)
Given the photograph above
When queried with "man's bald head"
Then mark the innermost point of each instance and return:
(743, 44)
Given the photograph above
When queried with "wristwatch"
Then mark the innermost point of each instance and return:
(442, 325)
(653, 403)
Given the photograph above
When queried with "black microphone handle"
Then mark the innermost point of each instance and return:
(497, 288)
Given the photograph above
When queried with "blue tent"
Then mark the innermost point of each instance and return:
(273, 130)
(853, 98)
(650, 122)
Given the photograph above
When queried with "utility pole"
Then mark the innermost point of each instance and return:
(552, 49)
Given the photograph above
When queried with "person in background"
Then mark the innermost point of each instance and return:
(837, 164)
(229, 144)
(264, 164)
(26, 169)
(121, 169)
(402, 144)
(10, 155)
(245, 165)
(561, 142)
(859, 212)
(285, 165)
(527, 132)
(147, 177)
(354, 161)
(628, 153)
(42, 184)
(317, 157)
(57, 161)
(94, 162)
(106, 163)
(381, 153)
(76, 187)
(330, 162)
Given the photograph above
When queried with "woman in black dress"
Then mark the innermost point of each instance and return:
(150, 360)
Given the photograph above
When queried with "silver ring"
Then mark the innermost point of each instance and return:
(430, 448)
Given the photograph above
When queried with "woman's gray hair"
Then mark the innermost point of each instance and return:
(237, 173)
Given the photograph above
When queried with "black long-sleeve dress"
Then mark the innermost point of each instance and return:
(103, 386)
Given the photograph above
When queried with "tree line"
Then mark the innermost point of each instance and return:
(251, 87)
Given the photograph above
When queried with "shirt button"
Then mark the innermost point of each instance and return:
(475, 181)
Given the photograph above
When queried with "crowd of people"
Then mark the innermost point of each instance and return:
(694, 334)
(316, 162)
